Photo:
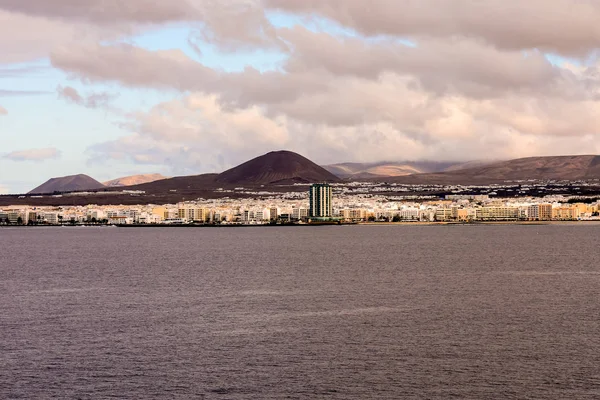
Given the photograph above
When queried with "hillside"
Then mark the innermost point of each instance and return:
(189, 183)
(403, 168)
(70, 183)
(565, 168)
(134, 180)
(272, 169)
(276, 167)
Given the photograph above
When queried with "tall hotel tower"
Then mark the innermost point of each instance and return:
(320, 201)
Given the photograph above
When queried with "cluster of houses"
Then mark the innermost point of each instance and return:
(347, 209)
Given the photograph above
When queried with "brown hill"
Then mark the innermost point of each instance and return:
(401, 168)
(70, 183)
(562, 168)
(276, 167)
(134, 180)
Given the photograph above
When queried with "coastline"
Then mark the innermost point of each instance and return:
(407, 223)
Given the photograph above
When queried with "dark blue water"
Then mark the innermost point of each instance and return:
(354, 312)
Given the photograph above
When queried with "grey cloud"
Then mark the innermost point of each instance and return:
(94, 100)
(172, 69)
(565, 26)
(458, 65)
(175, 134)
(133, 66)
(231, 25)
(344, 82)
(12, 72)
(177, 160)
(33, 154)
(25, 38)
(12, 93)
(477, 80)
(105, 11)
(446, 129)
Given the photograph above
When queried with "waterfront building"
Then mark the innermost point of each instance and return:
(539, 212)
(33, 217)
(273, 213)
(299, 213)
(444, 214)
(497, 213)
(320, 196)
(191, 212)
(567, 212)
(14, 215)
(51, 218)
(409, 214)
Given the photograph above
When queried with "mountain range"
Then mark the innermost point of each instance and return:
(82, 182)
(561, 168)
(385, 169)
(283, 168)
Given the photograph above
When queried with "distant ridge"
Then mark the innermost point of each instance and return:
(383, 169)
(277, 167)
(560, 168)
(133, 180)
(69, 183)
(386, 168)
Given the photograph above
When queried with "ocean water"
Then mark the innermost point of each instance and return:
(331, 312)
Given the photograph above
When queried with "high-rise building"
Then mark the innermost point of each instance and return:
(273, 213)
(320, 201)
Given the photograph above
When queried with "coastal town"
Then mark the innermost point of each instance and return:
(336, 205)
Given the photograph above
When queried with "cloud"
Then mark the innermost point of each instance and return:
(94, 100)
(26, 38)
(193, 134)
(33, 154)
(23, 70)
(430, 79)
(562, 26)
(13, 93)
(160, 69)
(198, 134)
(230, 25)
(105, 11)
(3, 111)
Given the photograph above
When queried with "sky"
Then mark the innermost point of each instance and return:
(112, 88)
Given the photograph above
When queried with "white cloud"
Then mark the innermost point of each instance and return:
(33, 154)
(93, 100)
(198, 134)
(477, 82)
(194, 134)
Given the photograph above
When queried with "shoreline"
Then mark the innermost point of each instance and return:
(408, 223)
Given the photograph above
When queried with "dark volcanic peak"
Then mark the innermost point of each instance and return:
(71, 183)
(277, 167)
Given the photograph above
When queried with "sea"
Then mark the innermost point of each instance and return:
(313, 312)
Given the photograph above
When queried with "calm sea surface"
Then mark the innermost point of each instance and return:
(338, 312)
